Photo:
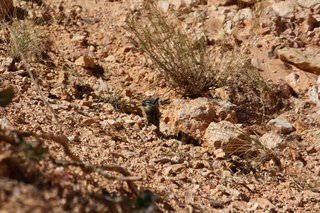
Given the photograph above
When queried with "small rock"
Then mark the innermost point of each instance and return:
(216, 204)
(242, 15)
(284, 8)
(309, 23)
(87, 103)
(173, 169)
(85, 61)
(226, 136)
(314, 95)
(190, 116)
(164, 5)
(80, 39)
(311, 149)
(4, 123)
(236, 194)
(222, 93)
(259, 64)
(271, 140)
(306, 61)
(284, 90)
(282, 124)
(261, 203)
(214, 26)
(242, 29)
(219, 153)
(292, 79)
(8, 63)
(88, 121)
(308, 3)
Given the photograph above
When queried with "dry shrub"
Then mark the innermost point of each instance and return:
(180, 58)
(24, 38)
(230, 140)
(191, 67)
(254, 97)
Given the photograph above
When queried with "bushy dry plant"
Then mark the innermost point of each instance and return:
(179, 57)
(254, 97)
(23, 38)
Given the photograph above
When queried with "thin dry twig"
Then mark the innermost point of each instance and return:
(34, 81)
(100, 169)
(15, 136)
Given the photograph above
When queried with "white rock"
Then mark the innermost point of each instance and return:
(242, 29)
(243, 14)
(305, 60)
(285, 8)
(164, 5)
(226, 136)
(5, 123)
(85, 61)
(261, 203)
(282, 124)
(308, 3)
(214, 25)
(314, 95)
(292, 79)
(271, 140)
(194, 116)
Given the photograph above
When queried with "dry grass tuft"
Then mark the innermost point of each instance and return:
(24, 37)
(254, 97)
(180, 58)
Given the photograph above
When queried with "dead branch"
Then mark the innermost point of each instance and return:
(15, 137)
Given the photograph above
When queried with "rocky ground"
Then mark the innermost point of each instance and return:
(88, 147)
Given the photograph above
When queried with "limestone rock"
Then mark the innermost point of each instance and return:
(226, 136)
(242, 24)
(190, 115)
(243, 15)
(285, 8)
(308, 3)
(282, 125)
(259, 203)
(314, 95)
(292, 79)
(303, 60)
(5, 7)
(85, 61)
(214, 26)
(164, 5)
(7, 64)
(271, 140)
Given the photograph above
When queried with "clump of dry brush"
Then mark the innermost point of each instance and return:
(179, 57)
(191, 66)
